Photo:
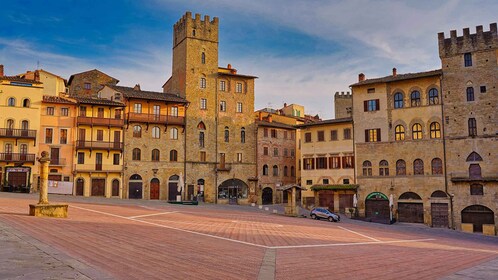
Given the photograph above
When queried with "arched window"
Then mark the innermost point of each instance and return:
(156, 132)
(475, 171)
(265, 170)
(201, 126)
(173, 155)
(474, 157)
(435, 130)
(115, 187)
(201, 139)
(418, 167)
(25, 125)
(293, 171)
(203, 82)
(242, 135)
(416, 131)
(433, 96)
(10, 124)
(415, 98)
(203, 58)
(11, 102)
(400, 167)
(23, 149)
(8, 148)
(227, 134)
(275, 170)
(26, 103)
(384, 168)
(285, 171)
(367, 168)
(136, 154)
(437, 166)
(137, 131)
(155, 155)
(399, 133)
(174, 133)
(398, 100)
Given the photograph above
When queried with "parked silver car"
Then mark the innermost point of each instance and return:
(320, 213)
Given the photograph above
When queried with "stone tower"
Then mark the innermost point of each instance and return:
(220, 111)
(470, 108)
(343, 102)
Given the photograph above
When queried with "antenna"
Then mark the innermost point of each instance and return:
(37, 65)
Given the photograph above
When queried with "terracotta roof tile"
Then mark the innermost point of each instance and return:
(399, 77)
(21, 80)
(57, 99)
(98, 101)
(129, 92)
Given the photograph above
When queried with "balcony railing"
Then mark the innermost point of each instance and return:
(99, 145)
(57, 162)
(97, 168)
(17, 133)
(16, 157)
(152, 118)
(100, 121)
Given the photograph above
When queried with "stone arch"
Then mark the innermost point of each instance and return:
(233, 189)
(135, 187)
(439, 194)
(474, 157)
(477, 215)
(410, 195)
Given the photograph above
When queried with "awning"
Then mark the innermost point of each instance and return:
(334, 187)
(287, 187)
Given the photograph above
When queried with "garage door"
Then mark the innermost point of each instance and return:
(345, 201)
(478, 215)
(98, 187)
(326, 199)
(377, 210)
(439, 213)
(411, 212)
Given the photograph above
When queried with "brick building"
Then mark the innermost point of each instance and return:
(88, 83)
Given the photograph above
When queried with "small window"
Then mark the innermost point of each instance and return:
(100, 112)
(136, 154)
(371, 90)
(274, 133)
(433, 96)
(399, 133)
(50, 111)
(265, 132)
(81, 158)
(400, 167)
(100, 135)
(242, 135)
(325, 181)
(418, 167)
(173, 155)
(470, 94)
(65, 112)
(238, 87)
(333, 135)
(203, 103)
(275, 152)
(227, 134)
(203, 57)
(383, 168)
(239, 107)
(26, 103)
(115, 159)
(321, 163)
(435, 128)
(174, 111)
(265, 151)
(201, 139)
(87, 86)
(309, 182)
(367, 168)
(483, 89)
(286, 152)
(82, 111)
(398, 100)
(347, 133)
(417, 131)
(371, 105)
(372, 135)
(155, 155)
(275, 170)
(49, 133)
(202, 156)
(174, 133)
(345, 181)
(476, 189)
(307, 137)
(137, 131)
(137, 108)
(437, 166)
(265, 170)
(203, 83)
(223, 106)
(11, 102)
(472, 127)
(156, 132)
(239, 157)
(321, 136)
(63, 136)
(415, 98)
(223, 85)
(467, 57)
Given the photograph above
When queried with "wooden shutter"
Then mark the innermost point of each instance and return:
(378, 135)
(365, 105)
(377, 104)
(366, 135)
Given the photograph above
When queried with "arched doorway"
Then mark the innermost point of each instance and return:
(377, 207)
(154, 188)
(173, 187)
(439, 209)
(267, 196)
(135, 187)
(80, 186)
(115, 187)
(410, 208)
(478, 215)
(233, 190)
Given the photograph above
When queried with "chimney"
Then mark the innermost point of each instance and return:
(285, 105)
(136, 87)
(270, 119)
(394, 72)
(361, 77)
(260, 116)
(229, 66)
(1, 70)
(37, 76)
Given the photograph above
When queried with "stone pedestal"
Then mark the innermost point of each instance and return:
(48, 210)
(291, 211)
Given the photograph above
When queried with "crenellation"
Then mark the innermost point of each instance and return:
(468, 42)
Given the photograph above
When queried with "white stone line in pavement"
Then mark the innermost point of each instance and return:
(173, 228)
(155, 214)
(366, 236)
(351, 244)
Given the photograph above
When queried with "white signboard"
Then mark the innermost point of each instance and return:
(58, 187)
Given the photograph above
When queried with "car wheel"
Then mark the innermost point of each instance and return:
(331, 219)
(313, 216)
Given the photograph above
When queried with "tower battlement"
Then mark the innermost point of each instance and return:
(195, 27)
(343, 94)
(467, 42)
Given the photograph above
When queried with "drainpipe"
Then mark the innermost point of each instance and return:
(452, 216)
(216, 142)
(185, 147)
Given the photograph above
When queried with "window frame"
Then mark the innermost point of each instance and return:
(417, 131)
(415, 100)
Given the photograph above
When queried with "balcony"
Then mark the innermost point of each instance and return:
(57, 162)
(97, 168)
(158, 119)
(17, 133)
(17, 158)
(100, 121)
(99, 145)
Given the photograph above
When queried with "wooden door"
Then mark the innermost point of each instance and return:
(154, 189)
(115, 188)
(135, 190)
(326, 199)
(98, 161)
(17, 179)
(54, 155)
(81, 137)
(478, 215)
(345, 201)
(377, 210)
(411, 212)
(80, 185)
(172, 191)
(98, 187)
(267, 196)
(117, 139)
(439, 213)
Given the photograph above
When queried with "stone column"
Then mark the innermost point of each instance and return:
(44, 162)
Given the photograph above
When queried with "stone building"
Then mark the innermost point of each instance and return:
(343, 104)
(399, 148)
(88, 83)
(20, 104)
(154, 142)
(327, 164)
(276, 145)
(98, 168)
(220, 128)
(470, 95)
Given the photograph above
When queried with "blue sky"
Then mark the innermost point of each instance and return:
(302, 51)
